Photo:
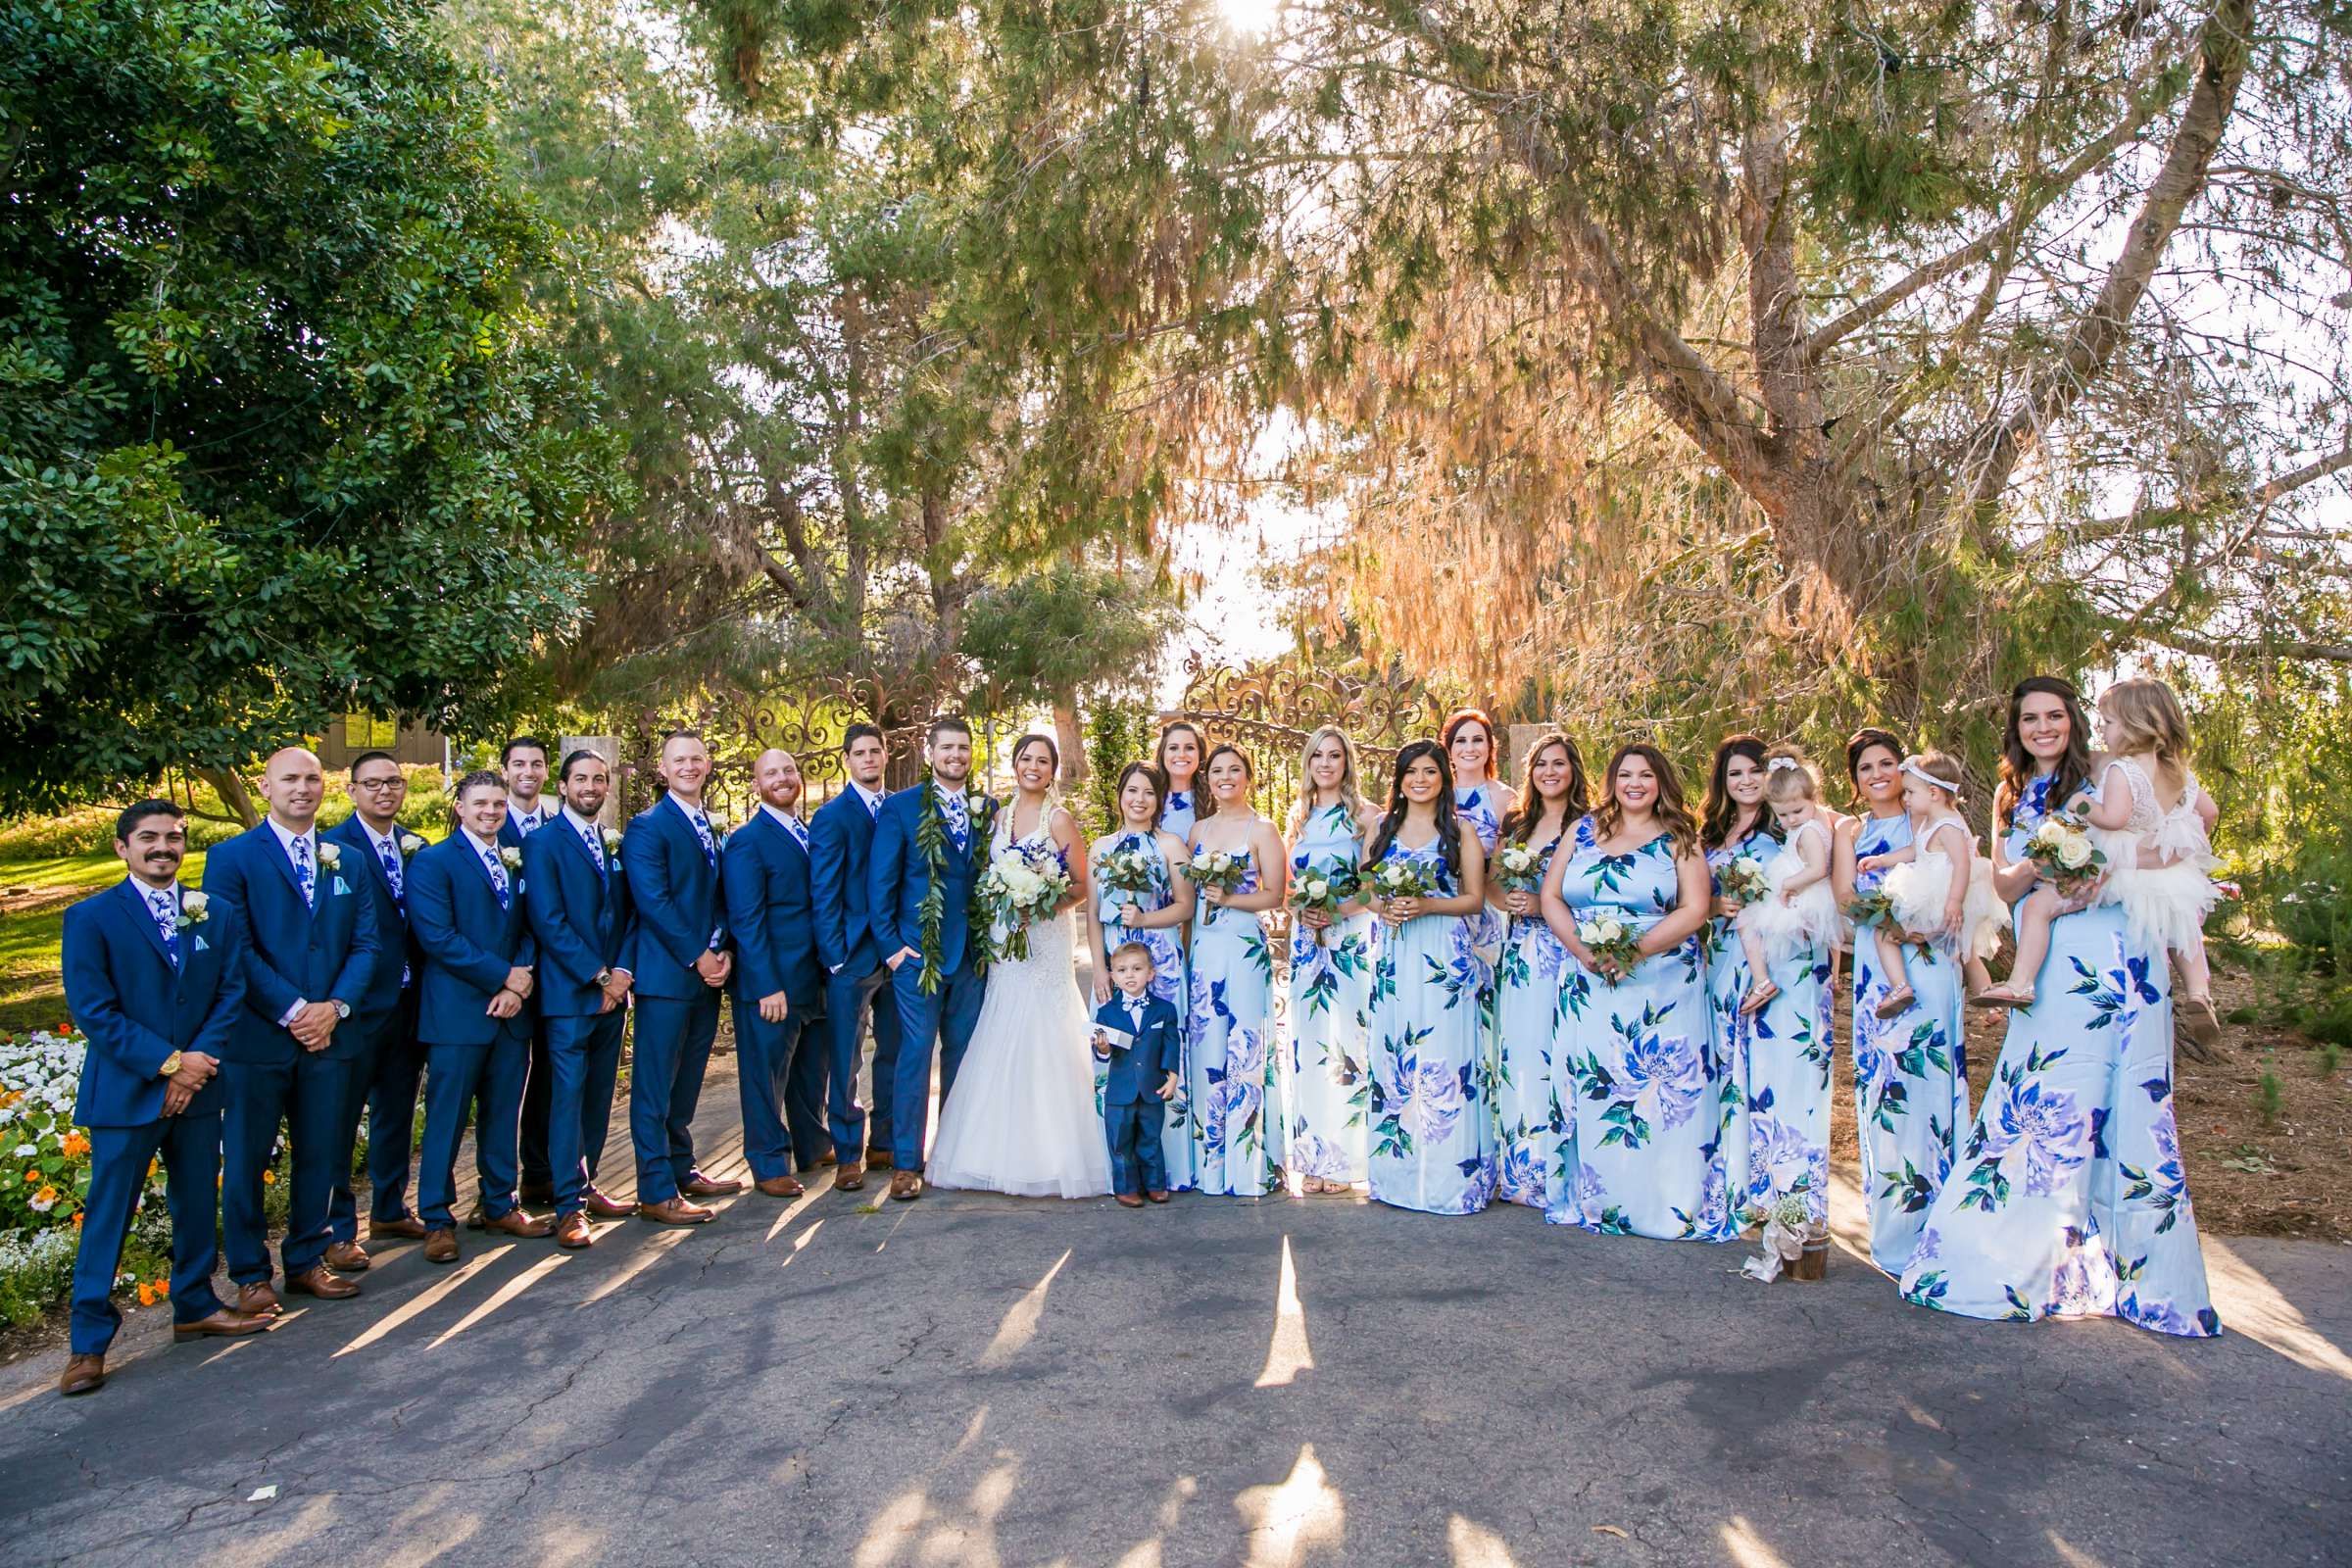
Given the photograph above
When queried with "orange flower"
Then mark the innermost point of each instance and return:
(78, 1219)
(31, 1176)
(146, 1295)
(269, 1178)
(73, 1146)
(153, 1166)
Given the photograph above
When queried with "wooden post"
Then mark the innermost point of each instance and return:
(607, 746)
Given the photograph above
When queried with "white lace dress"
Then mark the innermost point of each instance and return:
(1918, 887)
(2163, 906)
(1791, 926)
(1022, 1118)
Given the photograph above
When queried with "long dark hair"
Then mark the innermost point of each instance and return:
(1204, 801)
(1448, 835)
(1159, 753)
(1526, 815)
(1150, 775)
(2073, 771)
(1862, 740)
(1716, 817)
(1673, 814)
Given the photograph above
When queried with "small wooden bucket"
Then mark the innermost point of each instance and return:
(1813, 1263)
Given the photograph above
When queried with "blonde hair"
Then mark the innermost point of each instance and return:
(2145, 716)
(1352, 787)
(1942, 766)
(1788, 773)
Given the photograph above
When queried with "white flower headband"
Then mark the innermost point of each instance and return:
(1914, 770)
(1781, 764)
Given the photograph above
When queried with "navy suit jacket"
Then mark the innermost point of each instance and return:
(679, 903)
(396, 950)
(582, 923)
(898, 877)
(1136, 1073)
(769, 909)
(295, 950)
(840, 843)
(468, 944)
(136, 1011)
(513, 838)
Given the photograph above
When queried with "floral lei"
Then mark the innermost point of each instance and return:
(931, 839)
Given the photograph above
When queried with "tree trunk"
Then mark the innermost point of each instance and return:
(1070, 739)
(230, 787)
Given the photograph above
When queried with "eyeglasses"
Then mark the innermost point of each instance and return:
(371, 785)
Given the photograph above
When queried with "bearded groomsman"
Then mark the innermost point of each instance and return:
(466, 905)
(841, 838)
(586, 931)
(155, 981)
(523, 761)
(779, 985)
(670, 854)
(389, 1065)
(310, 962)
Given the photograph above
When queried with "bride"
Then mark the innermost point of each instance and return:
(1022, 1118)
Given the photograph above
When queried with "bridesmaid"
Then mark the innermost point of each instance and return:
(1910, 1084)
(1553, 796)
(2069, 1199)
(1433, 1144)
(1178, 759)
(1155, 918)
(1480, 800)
(1640, 1153)
(1324, 1085)
(1230, 1065)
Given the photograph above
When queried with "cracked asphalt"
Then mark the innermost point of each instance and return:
(978, 1380)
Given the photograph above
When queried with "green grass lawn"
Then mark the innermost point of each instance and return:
(32, 996)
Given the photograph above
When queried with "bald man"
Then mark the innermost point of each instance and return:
(782, 1055)
(309, 955)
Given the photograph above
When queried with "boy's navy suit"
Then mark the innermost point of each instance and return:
(1132, 1110)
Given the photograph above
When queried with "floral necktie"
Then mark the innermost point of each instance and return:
(596, 851)
(390, 856)
(702, 830)
(166, 921)
(497, 879)
(800, 834)
(305, 872)
(958, 817)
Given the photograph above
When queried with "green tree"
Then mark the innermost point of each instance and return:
(1061, 636)
(279, 432)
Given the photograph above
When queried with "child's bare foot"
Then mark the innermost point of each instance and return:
(1758, 995)
(1895, 1002)
(2204, 1024)
(2004, 996)
(1310, 1184)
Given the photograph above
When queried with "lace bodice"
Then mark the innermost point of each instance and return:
(2146, 815)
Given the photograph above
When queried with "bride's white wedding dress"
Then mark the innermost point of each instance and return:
(1021, 1119)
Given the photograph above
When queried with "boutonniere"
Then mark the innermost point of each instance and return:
(194, 909)
(510, 857)
(611, 840)
(409, 844)
(330, 855)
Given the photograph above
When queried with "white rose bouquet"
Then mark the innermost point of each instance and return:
(1519, 867)
(2061, 847)
(1395, 878)
(1125, 876)
(1616, 945)
(1222, 869)
(1323, 888)
(1741, 880)
(1020, 887)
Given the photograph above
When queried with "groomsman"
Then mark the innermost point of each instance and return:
(899, 878)
(586, 932)
(465, 907)
(390, 1064)
(524, 760)
(670, 854)
(310, 962)
(779, 985)
(155, 980)
(841, 839)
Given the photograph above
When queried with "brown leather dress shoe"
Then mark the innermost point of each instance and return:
(877, 1158)
(823, 1160)
(781, 1187)
(323, 1282)
(678, 1211)
(604, 1208)
(518, 1222)
(906, 1186)
(223, 1324)
(441, 1246)
(83, 1374)
(409, 1228)
(257, 1300)
(849, 1178)
(1157, 1196)
(1129, 1201)
(572, 1232)
(699, 1184)
(347, 1258)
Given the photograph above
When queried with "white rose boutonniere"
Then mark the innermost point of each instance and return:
(409, 844)
(611, 840)
(510, 857)
(194, 908)
(330, 855)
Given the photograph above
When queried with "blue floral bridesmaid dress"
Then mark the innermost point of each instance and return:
(2068, 1198)
(1777, 1059)
(1527, 1001)
(1641, 1151)
(1228, 1067)
(1167, 982)
(1910, 1078)
(1177, 814)
(1479, 805)
(1325, 1087)
(1432, 1141)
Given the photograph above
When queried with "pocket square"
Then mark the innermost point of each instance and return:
(340, 886)
(201, 946)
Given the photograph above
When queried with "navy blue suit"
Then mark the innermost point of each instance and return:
(585, 925)
(324, 949)
(469, 941)
(136, 1009)
(681, 914)
(841, 841)
(898, 878)
(780, 1066)
(1132, 1110)
(391, 1063)
(536, 1090)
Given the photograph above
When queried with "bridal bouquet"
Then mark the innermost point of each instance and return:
(1323, 888)
(1613, 943)
(1742, 880)
(2062, 847)
(1222, 869)
(1125, 876)
(1019, 886)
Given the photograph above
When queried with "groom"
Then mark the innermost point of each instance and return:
(900, 876)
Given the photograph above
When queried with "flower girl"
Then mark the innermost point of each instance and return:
(1797, 909)
(1937, 884)
(2158, 858)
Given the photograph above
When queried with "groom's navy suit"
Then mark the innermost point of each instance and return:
(898, 878)
(840, 843)
(780, 1067)
(681, 914)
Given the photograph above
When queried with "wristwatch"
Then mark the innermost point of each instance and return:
(171, 1067)
(603, 977)
(342, 1009)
